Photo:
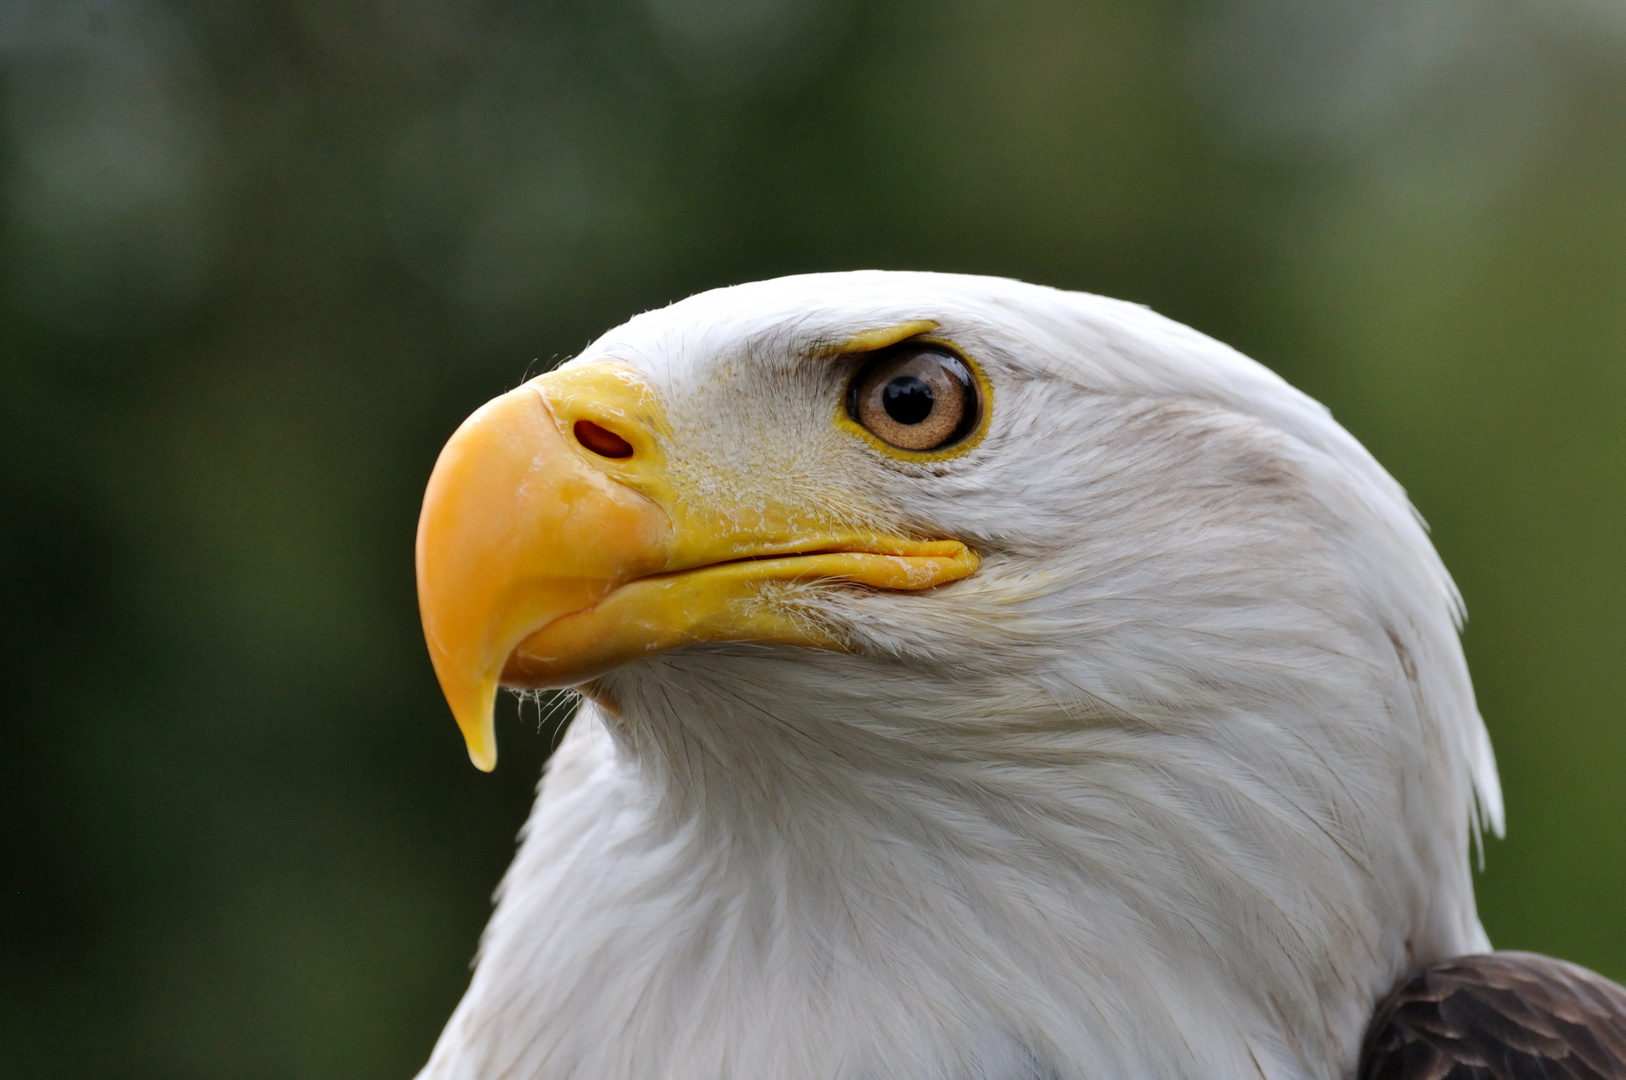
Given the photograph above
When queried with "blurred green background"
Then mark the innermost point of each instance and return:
(259, 258)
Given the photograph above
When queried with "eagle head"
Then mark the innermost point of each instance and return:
(980, 681)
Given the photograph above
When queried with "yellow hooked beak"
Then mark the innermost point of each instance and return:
(552, 547)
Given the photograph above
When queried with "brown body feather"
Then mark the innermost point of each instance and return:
(1499, 1016)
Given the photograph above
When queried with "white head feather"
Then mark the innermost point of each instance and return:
(1176, 785)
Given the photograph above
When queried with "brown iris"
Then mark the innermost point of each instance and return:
(915, 397)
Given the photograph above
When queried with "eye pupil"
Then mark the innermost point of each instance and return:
(907, 400)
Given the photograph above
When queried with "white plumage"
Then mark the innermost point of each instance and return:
(1175, 785)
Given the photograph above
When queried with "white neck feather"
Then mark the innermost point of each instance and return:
(727, 880)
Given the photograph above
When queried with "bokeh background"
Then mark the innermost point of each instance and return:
(259, 257)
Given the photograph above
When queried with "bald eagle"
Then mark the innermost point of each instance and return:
(978, 681)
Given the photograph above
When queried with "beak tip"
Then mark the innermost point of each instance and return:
(484, 758)
(477, 721)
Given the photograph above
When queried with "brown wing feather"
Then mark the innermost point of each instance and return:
(1501, 1016)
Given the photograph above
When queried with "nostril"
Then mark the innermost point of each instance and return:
(602, 441)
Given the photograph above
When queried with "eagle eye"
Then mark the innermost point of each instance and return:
(915, 397)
